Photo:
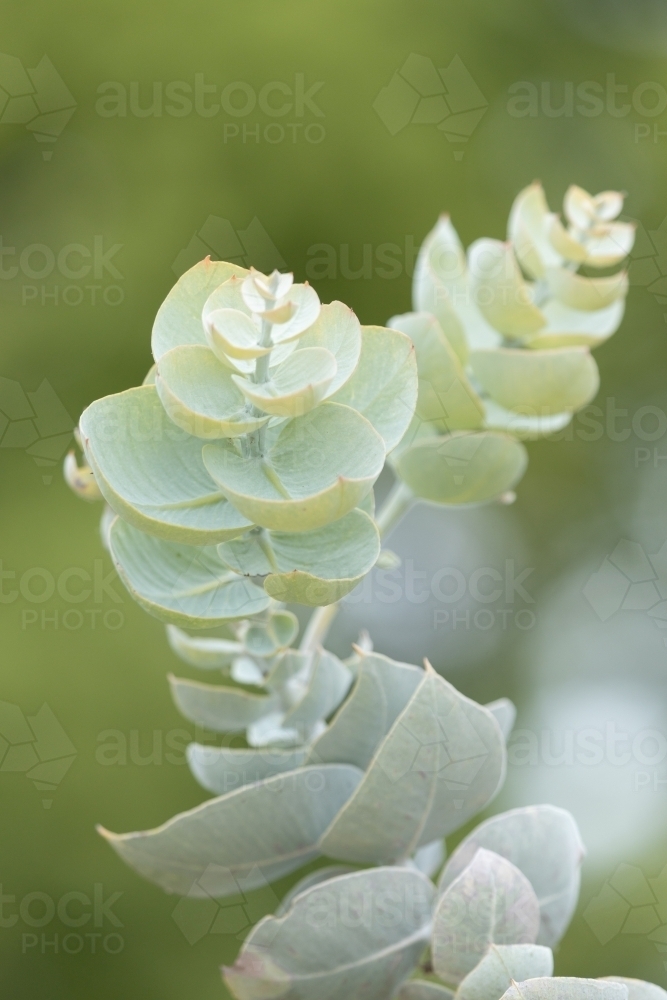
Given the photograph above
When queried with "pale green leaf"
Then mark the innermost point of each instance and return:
(267, 638)
(442, 761)
(491, 902)
(179, 318)
(207, 654)
(502, 295)
(200, 397)
(638, 989)
(181, 584)
(328, 684)
(463, 467)
(566, 988)
(381, 692)
(242, 840)
(318, 949)
(528, 229)
(440, 284)
(544, 843)
(503, 964)
(295, 386)
(527, 426)
(504, 712)
(222, 709)
(223, 769)
(322, 566)
(308, 881)
(315, 469)
(336, 329)
(579, 292)
(568, 327)
(233, 334)
(152, 473)
(384, 386)
(430, 858)
(421, 989)
(312, 567)
(446, 398)
(538, 383)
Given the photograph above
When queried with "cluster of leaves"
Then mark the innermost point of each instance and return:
(239, 477)
(242, 470)
(405, 761)
(277, 696)
(503, 338)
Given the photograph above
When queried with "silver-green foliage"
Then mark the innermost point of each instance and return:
(239, 478)
(503, 338)
(242, 470)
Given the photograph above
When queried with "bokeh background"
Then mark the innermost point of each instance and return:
(89, 157)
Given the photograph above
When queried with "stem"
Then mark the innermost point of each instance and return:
(317, 627)
(398, 501)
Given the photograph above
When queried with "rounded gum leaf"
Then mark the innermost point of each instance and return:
(179, 318)
(151, 472)
(463, 468)
(314, 470)
(295, 386)
(199, 395)
(538, 382)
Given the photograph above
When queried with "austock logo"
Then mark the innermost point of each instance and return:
(218, 238)
(203, 912)
(35, 422)
(37, 98)
(630, 580)
(630, 903)
(648, 262)
(420, 94)
(35, 745)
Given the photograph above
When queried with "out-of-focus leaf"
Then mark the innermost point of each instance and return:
(503, 964)
(566, 988)
(446, 399)
(568, 327)
(528, 229)
(223, 769)
(579, 292)
(538, 383)
(222, 709)
(207, 654)
(463, 467)
(503, 297)
(328, 684)
(638, 989)
(504, 712)
(527, 426)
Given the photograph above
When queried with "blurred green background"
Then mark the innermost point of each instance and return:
(156, 191)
